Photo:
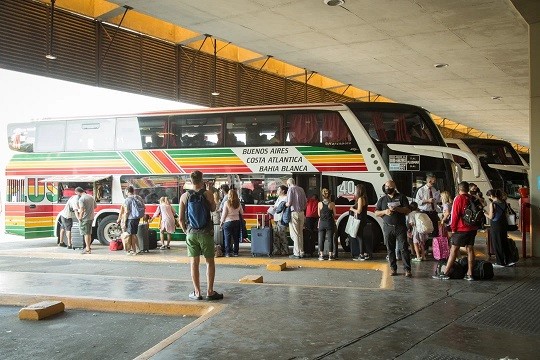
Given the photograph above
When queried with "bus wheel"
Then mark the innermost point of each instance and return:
(108, 230)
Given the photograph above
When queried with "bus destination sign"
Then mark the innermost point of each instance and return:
(404, 162)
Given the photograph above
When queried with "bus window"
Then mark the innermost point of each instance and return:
(303, 129)
(90, 134)
(195, 132)
(344, 189)
(253, 130)
(21, 136)
(153, 130)
(152, 187)
(458, 159)
(390, 127)
(51, 136)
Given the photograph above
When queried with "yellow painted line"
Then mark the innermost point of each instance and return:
(103, 254)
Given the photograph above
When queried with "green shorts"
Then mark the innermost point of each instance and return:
(85, 227)
(200, 244)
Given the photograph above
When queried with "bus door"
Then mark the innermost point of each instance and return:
(310, 182)
(39, 213)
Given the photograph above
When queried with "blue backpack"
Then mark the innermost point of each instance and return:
(136, 208)
(197, 213)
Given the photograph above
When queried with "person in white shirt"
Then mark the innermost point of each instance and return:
(66, 221)
(427, 198)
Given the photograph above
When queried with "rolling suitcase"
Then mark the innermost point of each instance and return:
(152, 239)
(143, 237)
(77, 239)
(261, 238)
(440, 248)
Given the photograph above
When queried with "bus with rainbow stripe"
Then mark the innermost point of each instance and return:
(256, 149)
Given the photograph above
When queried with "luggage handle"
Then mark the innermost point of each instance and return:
(263, 215)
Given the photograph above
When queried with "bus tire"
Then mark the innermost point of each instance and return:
(376, 236)
(108, 229)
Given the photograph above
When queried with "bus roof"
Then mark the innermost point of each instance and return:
(330, 106)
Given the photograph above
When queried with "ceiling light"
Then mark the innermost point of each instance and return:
(334, 2)
(215, 93)
(50, 57)
(440, 65)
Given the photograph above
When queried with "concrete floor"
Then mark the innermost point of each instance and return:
(314, 310)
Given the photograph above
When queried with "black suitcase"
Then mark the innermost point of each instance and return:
(77, 240)
(143, 237)
(261, 238)
(152, 239)
(514, 252)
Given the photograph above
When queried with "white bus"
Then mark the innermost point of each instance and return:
(254, 148)
(501, 166)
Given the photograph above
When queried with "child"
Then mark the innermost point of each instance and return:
(419, 240)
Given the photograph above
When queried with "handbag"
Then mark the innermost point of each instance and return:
(511, 218)
(352, 226)
(116, 245)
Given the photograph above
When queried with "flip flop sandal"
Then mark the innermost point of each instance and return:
(192, 296)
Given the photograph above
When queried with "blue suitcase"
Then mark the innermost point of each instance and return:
(261, 238)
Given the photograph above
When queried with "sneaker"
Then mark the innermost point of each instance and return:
(162, 247)
(214, 296)
(227, 255)
(416, 260)
(235, 255)
(62, 244)
(321, 258)
(511, 264)
(366, 257)
(441, 277)
(192, 296)
(294, 257)
(331, 258)
(356, 259)
(394, 273)
(468, 278)
(498, 265)
(408, 274)
(361, 257)
(70, 247)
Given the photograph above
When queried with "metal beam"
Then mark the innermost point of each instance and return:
(113, 13)
(193, 39)
(256, 59)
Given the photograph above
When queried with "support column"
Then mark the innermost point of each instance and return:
(534, 125)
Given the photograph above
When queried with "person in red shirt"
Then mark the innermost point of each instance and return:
(463, 233)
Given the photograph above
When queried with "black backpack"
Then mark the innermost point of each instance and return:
(482, 270)
(474, 212)
(456, 272)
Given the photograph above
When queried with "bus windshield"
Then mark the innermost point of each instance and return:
(494, 153)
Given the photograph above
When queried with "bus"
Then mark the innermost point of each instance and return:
(501, 166)
(255, 149)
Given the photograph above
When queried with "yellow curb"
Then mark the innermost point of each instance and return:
(168, 308)
(252, 279)
(41, 310)
(276, 266)
(202, 310)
